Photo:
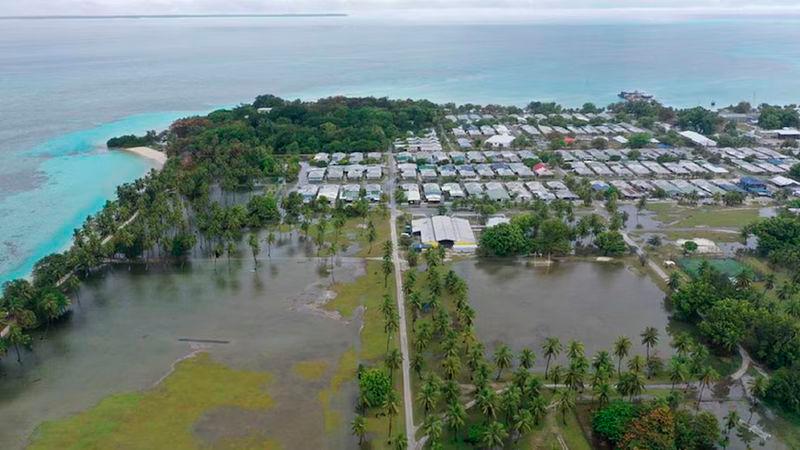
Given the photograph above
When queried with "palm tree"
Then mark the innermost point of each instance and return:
(255, 248)
(630, 384)
(17, 337)
(386, 267)
(566, 403)
(418, 364)
(538, 409)
(677, 372)
(433, 428)
(556, 375)
(400, 442)
(455, 417)
(707, 376)
(428, 395)
(523, 424)
(527, 358)
(551, 348)
(636, 364)
(769, 282)
(371, 234)
(510, 401)
(415, 300)
(649, 339)
(502, 359)
(621, 348)
(674, 281)
(494, 435)
(390, 326)
(758, 388)
(270, 241)
(731, 421)
(683, 344)
(393, 360)
(391, 406)
(486, 401)
(575, 350)
(359, 428)
(451, 366)
(603, 392)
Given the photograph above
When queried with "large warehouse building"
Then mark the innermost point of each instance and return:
(447, 231)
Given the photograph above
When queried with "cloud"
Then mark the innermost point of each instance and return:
(432, 8)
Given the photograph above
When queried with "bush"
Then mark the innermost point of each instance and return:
(374, 384)
(784, 388)
(612, 421)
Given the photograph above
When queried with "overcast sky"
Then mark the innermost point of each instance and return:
(99, 7)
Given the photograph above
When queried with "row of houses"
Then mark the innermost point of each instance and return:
(625, 169)
(651, 154)
(352, 172)
(429, 142)
(334, 192)
(474, 156)
(412, 171)
(493, 190)
(340, 158)
(583, 130)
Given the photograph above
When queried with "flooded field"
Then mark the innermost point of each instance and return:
(591, 302)
(132, 325)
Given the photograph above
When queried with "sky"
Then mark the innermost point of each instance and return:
(373, 7)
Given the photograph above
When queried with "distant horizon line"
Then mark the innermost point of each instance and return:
(168, 16)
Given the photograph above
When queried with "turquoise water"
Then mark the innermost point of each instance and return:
(68, 85)
(78, 175)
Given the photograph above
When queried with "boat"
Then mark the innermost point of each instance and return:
(635, 96)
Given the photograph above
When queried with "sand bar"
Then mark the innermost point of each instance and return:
(159, 157)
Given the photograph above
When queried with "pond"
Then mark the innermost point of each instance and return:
(522, 305)
(132, 325)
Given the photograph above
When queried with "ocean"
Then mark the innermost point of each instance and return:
(66, 86)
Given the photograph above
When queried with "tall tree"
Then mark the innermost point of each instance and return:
(551, 349)
(621, 348)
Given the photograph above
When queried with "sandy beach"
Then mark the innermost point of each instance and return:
(159, 157)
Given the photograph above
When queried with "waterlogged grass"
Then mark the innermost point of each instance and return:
(162, 417)
(345, 372)
(310, 370)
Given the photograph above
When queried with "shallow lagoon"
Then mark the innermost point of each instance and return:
(521, 305)
(127, 333)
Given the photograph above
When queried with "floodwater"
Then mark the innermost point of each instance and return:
(125, 336)
(521, 305)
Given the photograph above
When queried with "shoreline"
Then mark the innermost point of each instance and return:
(160, 158)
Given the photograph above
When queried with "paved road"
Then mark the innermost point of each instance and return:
(408, 398)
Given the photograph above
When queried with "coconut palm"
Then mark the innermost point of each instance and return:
(758, 388)
(486, 401)
(510, 401)
(400, 442)
(602, 391)
(371, 234)
(390, 326)
(622, 347)
(255, 248)
(527, 358)
(731, 421)
(538, 409)
(707, 376)
(451, 366)
(556, 375)
(602, 361)
(631, 384)
(636, 364)
(494, 435)
(566, 403)
(683, 344)
(393, 360)
(391, 406)
(456, 417)
(575, 350)
(649, 339)
(678, 372)
(551, 348)
(428, 395)
(16, 337)
(433, 428)
(674, 281)
(359, 428)
(502, 359)
(523, 424)
(270, 241)
(418, 364)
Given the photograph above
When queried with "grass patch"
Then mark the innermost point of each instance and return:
(161, 417)
(715, 236)
(727, 266)
(310, 370)
(708, 216)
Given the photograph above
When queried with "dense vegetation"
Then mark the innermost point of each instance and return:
(192, 205)
(130, 140)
